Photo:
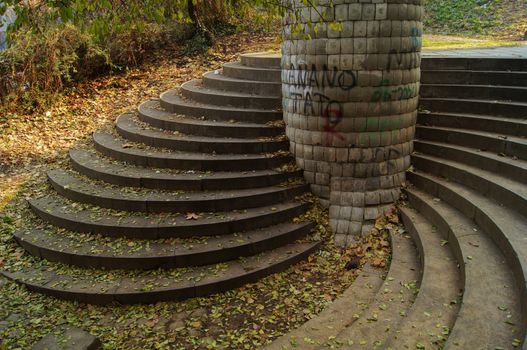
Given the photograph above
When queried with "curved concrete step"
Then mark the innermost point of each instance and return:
(505, 126)
(95, 166)
(473, 63)
(514, 169)
(150, 112)
(492, 142)
(62, 213)
(390, 304)
(433, 313)
(172, 102)
(238, 71)
(336, 316)
(83, 286)
(118, 149)
(196, 91)
(493, 185)
(128, 127)
(444, 76)
(474, 106)
(261, 60)
(215, 80)
(142, 255)
(489, 284)
(100, 194)
(464, 91)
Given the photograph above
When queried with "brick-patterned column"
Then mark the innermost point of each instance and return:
(350, 103)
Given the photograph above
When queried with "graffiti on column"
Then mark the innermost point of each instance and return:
(331, 110)
(332, 118)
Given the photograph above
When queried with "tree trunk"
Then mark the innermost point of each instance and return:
(350, 104)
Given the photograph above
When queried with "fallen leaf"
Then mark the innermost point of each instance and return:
(192, 216)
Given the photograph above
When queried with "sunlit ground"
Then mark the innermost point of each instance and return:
(445, 42)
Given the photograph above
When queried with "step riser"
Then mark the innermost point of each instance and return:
(211, 130)
(203, 184)
(205, 147)
(497, 126)
(253, 74)
(250, 87)
(503, 168)
(182, 205)
(261, 61)
(474, 78)
(199, 289)
(474, 92)
(191, 164)
(487, 188)
(206, 229)
(481, 64)
(192, 259)
(259, 102)
(470, 107)
(475, 141)
(218, 114)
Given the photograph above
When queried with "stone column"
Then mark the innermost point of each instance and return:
(350, 98)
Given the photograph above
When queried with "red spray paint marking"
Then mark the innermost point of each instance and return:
(333, 118)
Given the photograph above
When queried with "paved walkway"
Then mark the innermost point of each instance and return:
(500, 52)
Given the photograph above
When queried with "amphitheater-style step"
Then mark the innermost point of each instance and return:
(91, 252)
(474, 77)
(120, 149)
(514, 169)
(391, 303)
(84, 218)
(146, 287)
(270, 60)
(470, 91)
(470, 174)
(174, 103)
(150, 112)
(215, 80)
(79, 189)
(428, 322)
(474, 64)
(129, 127)
(196, 91)
(239, 71)
(97, 167)
(506, 109)
(195, 193)
(489, 287)
(487, 123)
(500, 144)
(493, 185)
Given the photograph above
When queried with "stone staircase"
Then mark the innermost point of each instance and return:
(457, 279)
(192, 194)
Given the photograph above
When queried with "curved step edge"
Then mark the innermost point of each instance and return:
(150, 112)
(128, 128)
(97, 168)
(165, 256)
(128, 292)
(53, 211)
(195, 90)
(174, 103)
(77, 189)
(111, 147)
(461, 202)
(432, 314)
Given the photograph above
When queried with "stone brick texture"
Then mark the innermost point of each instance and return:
(350, 83)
